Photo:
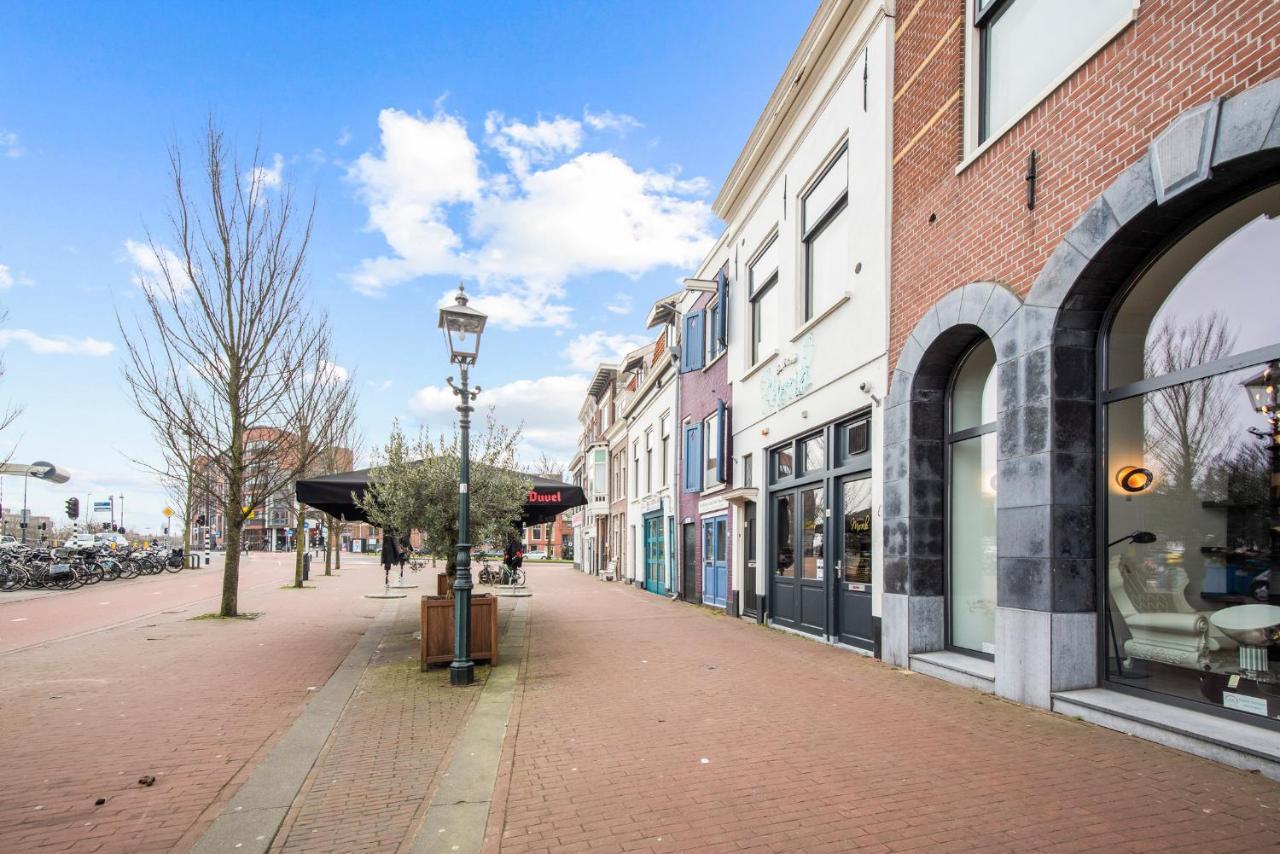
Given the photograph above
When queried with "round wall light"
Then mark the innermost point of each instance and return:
(1135, 479)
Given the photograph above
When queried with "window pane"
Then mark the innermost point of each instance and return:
(857, 530)
(857, 438)
(782, 462)
(973, 396)
(828, 190)
(764, 267)
(828, 268)
(1033, 42)
(813, 523)
(813, 453)
(762, 326)
(971, 594)
(712, 441)
(720, 551)
(784, 537)
(748, 475)
(1181, 604)
(1200, 300)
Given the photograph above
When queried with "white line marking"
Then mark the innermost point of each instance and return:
(18, 620)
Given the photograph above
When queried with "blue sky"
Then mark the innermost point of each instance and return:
(560, 157)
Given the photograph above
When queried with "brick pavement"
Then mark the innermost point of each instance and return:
(193, 703)
(651, 725)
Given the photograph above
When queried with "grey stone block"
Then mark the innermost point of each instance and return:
(894, 500)
(926, 458)
(1024, 582)
(927, 422)
(1073, 585)
(924, 539)
(975, 296)
(1181, 154)
(1001, 306)
(1034, 426)
(896, 575)
(1132, 192)
(1024, 481)
(926, 626)
(926, 498)
(1023, 656)
(909, 358)
(894, 628)
(1245, 120)
(1035, 375)
(899, 388)
(1073, 530)
(948, 309)
(1009, 433)
(895, 460)
(897, 421)
(1073, 373)
(1074, 651)
(926, 578)
(927, 329)
(1024, 532)
(1073, 477)
(896, 541)
(1059, 274)
(1008, 338)
(1009, 384)
(1073, 426)
(1095, 227)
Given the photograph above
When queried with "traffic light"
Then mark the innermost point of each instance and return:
(200, 519)
(73, 508)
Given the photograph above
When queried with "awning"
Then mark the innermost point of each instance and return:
(332, 494)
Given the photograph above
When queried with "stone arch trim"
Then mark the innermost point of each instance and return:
(914, 453)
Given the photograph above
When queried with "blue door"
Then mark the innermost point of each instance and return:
(655, 569)
(715, 561)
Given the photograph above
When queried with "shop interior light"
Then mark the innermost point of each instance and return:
(1135, 479)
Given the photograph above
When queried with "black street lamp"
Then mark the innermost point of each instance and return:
(462, 327)
(1264, 398)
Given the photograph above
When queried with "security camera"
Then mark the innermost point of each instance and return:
(865, 388)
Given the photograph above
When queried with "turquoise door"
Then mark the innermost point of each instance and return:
(655, 568)
(715, 561)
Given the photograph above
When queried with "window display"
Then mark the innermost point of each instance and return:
(1193, 470)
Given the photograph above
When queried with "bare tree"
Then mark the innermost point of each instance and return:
(226, 334)
(321, 404)
(548, 466)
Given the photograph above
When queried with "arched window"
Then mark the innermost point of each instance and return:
(971, 516)
(1192, 362)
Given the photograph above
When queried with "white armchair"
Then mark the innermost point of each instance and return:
(1162, 625)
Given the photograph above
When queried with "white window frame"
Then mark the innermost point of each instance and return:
(973, 82)
(710, 322)
(710, 435)
(811, 314)
(664, 437)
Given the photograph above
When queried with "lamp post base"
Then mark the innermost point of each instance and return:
(462, 673)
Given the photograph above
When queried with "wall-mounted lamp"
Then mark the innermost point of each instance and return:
(1135, 479)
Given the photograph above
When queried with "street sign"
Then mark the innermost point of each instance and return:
(168, 511)
(102, 507)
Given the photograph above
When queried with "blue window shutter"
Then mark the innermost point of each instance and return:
(685, 349)
(721, 432)
(722, 328)
(693, 457)
(694, 343)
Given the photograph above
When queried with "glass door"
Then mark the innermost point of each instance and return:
(853, 589)
(654, 574)
(715, 563)
(811, 580)
(782, 561)
(749, 605)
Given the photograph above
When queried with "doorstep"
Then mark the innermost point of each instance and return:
(1231, 742)
(967, 670)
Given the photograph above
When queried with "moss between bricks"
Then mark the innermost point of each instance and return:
(244, 615)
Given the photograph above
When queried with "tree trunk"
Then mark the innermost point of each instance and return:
(337, 549)
(300, 545)
(231, 563)
(328, 546)
(186, 513)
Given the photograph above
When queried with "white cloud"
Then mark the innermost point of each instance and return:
(6, 277)
(149, 270)
(267, 176)
(385, 385)
(10, 145)
(547, 407)
(621, 303)
(344, 137)
(619, 123)
(555, 213)
(331, 372)
(523, 145)
(60, 345)
(587, 351)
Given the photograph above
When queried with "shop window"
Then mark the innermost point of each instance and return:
(856, 506)
(971, 519)
(781, 463)
(762, 276)
(1025, 47)
(784, 564)
(823, 223)
(1193, 469)
(813, 510)
(813, 453)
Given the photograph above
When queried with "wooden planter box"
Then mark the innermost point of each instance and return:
(442, 584)
(437, 629)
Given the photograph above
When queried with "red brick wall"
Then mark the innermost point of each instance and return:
(1178, 53)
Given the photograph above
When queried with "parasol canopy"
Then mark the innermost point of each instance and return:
(332, 494)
